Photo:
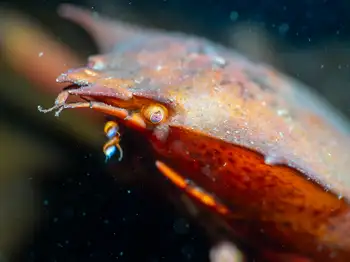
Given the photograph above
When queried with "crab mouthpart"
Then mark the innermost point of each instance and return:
(131, 119)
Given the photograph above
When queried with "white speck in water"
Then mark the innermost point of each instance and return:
(234, 16)
(41, 54)
(225, 252)
(181, 226)
(283, 29)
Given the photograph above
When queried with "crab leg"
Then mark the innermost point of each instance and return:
(190, 188)
(60, 100)
(134, 119)
(102, 107)
(60, 104)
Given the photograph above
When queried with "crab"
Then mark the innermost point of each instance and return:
(254, 148)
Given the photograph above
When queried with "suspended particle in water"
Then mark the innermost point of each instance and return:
(234, 16)
(225, 252)
(283, 29)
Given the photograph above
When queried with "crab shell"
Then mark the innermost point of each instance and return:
(255, 147)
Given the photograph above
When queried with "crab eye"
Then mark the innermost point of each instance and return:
(155, 114)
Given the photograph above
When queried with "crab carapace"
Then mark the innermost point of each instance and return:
(254, 147)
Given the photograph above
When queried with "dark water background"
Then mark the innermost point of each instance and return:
(81, 212)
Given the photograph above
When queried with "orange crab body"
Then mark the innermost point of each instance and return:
(253, 147)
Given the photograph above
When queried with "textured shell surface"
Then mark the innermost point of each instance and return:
(217, 91)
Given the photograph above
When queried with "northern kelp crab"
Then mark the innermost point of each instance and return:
(250, 145)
